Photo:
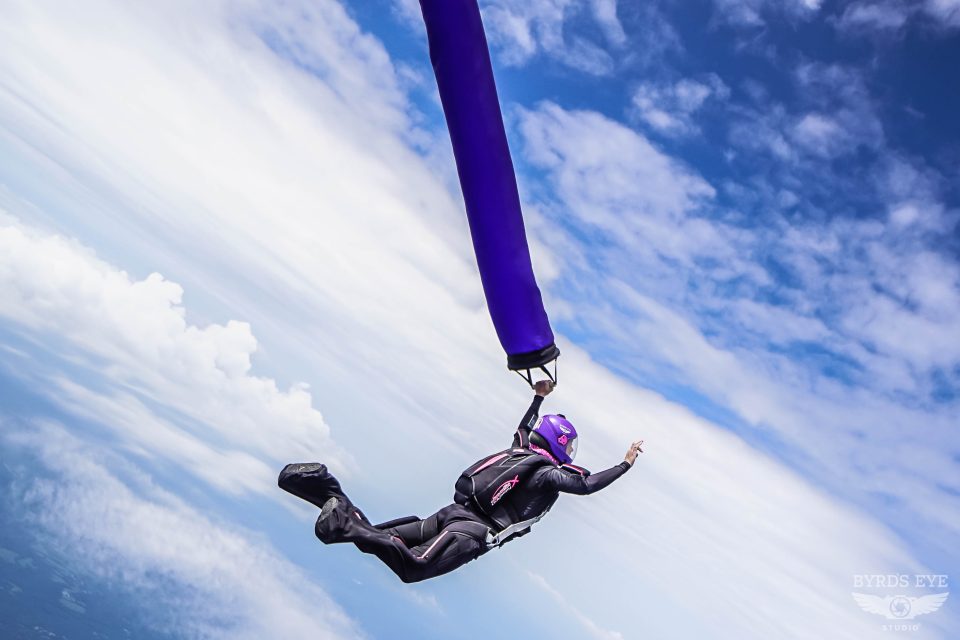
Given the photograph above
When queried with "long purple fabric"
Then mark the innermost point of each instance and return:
(461, 62)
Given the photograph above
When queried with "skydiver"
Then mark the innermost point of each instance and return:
(494, 502)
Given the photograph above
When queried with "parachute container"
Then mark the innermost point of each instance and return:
(461, 63)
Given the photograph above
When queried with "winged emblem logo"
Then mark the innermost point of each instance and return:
(900, 607)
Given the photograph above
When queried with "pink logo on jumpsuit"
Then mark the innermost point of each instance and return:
(502, 489)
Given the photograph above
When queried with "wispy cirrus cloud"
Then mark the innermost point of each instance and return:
(593, 629)
(669, 109)
(755, 13)
(596, 159)
(279, 194)
(945, 12)
(676, 497)
(133, 534)
(521, 30)
(832, 116)
(844, 116)
(782, 322)
(584, 36)
(884, 17)
(875, 16)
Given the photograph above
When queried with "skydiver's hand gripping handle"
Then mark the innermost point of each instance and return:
(544, 387)
(632, 452)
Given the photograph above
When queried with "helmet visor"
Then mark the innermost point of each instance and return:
(572, 447)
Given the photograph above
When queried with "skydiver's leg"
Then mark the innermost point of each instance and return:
(313, 482)
(310, 481)
(439, 544)
(419, 531)
(342, 525)
(457, 544)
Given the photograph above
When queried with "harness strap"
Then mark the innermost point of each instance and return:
(498, 538)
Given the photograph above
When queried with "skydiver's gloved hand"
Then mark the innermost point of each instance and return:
(632, 452)
(544, 388)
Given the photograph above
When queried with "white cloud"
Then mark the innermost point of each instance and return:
(409, 11)
(605, 12)
(147, 540)
(764, 133)
(888, 16)
(877, 16)
(835, 116)
(842, 90)
(697, 529)
(522, 29)
(317, 207)
(687, 298)
(593, 629)
(669, 108)
(945, 12)
(293, 202)
(819, 134)
(757, 12)
(611, 177)
(53, 287)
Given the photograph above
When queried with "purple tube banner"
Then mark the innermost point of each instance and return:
(461, 63)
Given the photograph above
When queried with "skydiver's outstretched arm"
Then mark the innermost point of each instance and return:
(557, 479)
(522, 437)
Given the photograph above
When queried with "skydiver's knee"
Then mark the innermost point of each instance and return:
(409, 575)
(409, 579)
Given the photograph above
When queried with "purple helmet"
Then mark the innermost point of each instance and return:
(559, 435)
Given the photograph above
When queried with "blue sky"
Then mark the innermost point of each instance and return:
(231, 237)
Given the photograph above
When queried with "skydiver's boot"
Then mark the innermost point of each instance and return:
(326, 527)
(310, 481)
(341, 521)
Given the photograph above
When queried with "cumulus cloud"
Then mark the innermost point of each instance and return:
(242, 425)
(279, 193)
(318, 209)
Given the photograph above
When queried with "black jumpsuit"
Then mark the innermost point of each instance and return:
(418, 549)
